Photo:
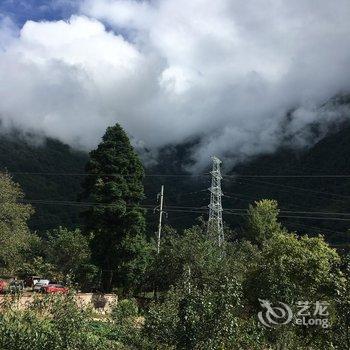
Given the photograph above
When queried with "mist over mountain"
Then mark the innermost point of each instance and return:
(51, 174)
(261, 85)
(226, 73)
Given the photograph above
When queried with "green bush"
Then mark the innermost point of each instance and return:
(52, 323)
(209, 318)
(124, 311)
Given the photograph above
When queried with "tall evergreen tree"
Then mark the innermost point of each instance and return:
(114, 186)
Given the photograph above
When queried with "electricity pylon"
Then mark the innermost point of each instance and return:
(161, 212)
(215, 225)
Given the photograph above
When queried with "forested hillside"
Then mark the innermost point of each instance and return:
(308, 184)
(46, 162)
(305, 198)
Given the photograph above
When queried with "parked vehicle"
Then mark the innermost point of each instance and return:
(31, 281)
(54, 288)
(14, 286)
(40, 284)
(3, 286)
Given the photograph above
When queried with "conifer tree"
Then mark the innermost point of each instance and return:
(114, 187)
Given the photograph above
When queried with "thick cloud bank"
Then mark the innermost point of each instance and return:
(225, 71)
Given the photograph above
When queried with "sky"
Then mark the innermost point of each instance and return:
(240, 76)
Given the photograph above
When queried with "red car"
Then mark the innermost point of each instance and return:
(3, 285)
(54, 288)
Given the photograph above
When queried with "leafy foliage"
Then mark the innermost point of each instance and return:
(262, 221)
(207, 296)
(191, 251)
(68, 250)
(62, 255)
(54, 323)
(15, 236)
(213, 297)
(193, 318)
(342, 324)
(291, 268)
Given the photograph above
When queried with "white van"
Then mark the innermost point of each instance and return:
(41, 283)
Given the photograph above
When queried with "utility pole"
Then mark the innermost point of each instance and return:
(215, 224)
(161, 212)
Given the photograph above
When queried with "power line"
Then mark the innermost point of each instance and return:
(187, 175)
(299, 188)
(299, 217)
(103, 174)
(179, 217)
(190, 193)
(241, 197)
(322, 229)
(302, 212)
(89, 204)
(186, 211)
(175, 207)
(315, 212)
(201, 211)
(287, 176)
(238, 195)
(313, 218)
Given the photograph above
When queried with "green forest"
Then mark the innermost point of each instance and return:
(193, 294)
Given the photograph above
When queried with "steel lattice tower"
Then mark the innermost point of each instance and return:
(215, 225)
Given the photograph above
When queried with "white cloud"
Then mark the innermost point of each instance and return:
(225, 70)
(8, 31)
(68, 79)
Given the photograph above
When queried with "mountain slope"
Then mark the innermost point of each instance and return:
(309, 196)
(51, 157)
(302, 197)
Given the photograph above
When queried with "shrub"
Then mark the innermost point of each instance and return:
(52, 323)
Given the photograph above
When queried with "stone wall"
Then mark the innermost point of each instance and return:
(100, 302)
